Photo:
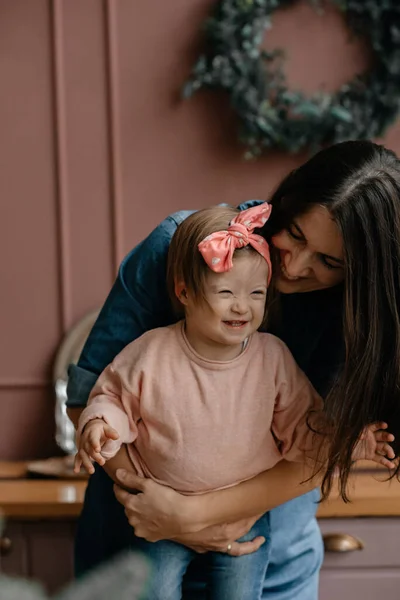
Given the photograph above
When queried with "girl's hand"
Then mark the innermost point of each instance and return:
(157, 512)
(374, 445)
(95, 434)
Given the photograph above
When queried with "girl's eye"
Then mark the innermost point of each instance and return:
(258, 293)
(224, 292)
(294, 234)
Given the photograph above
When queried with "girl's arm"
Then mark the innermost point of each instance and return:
(107, 422)
(120, 461)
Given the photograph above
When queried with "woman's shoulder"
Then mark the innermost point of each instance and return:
(156, 244)
(142, 272)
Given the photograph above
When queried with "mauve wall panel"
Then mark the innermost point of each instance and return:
(26, 422)
(97, 148)
(81, 121)
(29, 317)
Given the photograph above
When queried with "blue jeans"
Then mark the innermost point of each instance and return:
(294, 544)
(227, 577)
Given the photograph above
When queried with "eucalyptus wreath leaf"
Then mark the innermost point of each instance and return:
(269, 114)
(341, 114)
(187, 90)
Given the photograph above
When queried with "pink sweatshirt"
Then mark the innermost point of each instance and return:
(199, 425)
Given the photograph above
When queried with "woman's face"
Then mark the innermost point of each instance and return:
(311, 253)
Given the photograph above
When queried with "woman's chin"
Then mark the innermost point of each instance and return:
(296, 286)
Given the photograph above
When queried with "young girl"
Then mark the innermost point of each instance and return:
(210, 402)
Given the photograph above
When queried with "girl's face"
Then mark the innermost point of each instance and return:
(311, 253)
(233, 308)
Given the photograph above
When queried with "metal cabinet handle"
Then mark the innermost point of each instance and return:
(5, 546)
(341, 542)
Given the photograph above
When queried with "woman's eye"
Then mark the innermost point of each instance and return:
(294, 234)
(327, 264)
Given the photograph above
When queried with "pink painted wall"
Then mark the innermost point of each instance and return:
(96, 148)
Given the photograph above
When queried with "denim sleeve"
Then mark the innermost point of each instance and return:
(138, 301)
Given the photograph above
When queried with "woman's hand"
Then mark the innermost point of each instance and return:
(156, 512)
(223, 538)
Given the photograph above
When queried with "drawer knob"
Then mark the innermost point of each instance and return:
(341, 542)
(5, 546)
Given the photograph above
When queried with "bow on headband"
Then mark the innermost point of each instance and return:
(218, 248)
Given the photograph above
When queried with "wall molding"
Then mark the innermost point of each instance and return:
(18, 384)
(61, 158)
(114, 119)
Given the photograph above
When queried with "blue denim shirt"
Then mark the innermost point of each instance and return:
(138, 301)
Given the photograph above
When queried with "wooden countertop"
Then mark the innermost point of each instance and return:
(371, 495)
(51, 499)
(41, 499)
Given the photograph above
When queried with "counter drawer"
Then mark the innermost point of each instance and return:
(40, 550)
(359, 584)
(361, 543)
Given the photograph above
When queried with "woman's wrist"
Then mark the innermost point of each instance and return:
(191, 513)
(204, 510)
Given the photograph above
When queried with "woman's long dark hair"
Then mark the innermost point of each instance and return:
(359, 183)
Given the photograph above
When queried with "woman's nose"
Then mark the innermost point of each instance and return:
(298, 264)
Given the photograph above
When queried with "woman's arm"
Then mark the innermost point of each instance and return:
(258, 495)
(158, 512)
(74, 414)
(137, 302)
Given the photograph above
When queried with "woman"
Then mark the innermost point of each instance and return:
(335, 227)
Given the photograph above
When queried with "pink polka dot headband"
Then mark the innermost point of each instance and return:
(218, 248)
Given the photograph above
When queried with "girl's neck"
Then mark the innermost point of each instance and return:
(211, 350)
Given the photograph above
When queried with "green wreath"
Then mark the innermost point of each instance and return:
(269, 114)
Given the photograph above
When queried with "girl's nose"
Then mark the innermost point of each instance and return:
(240, 306)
